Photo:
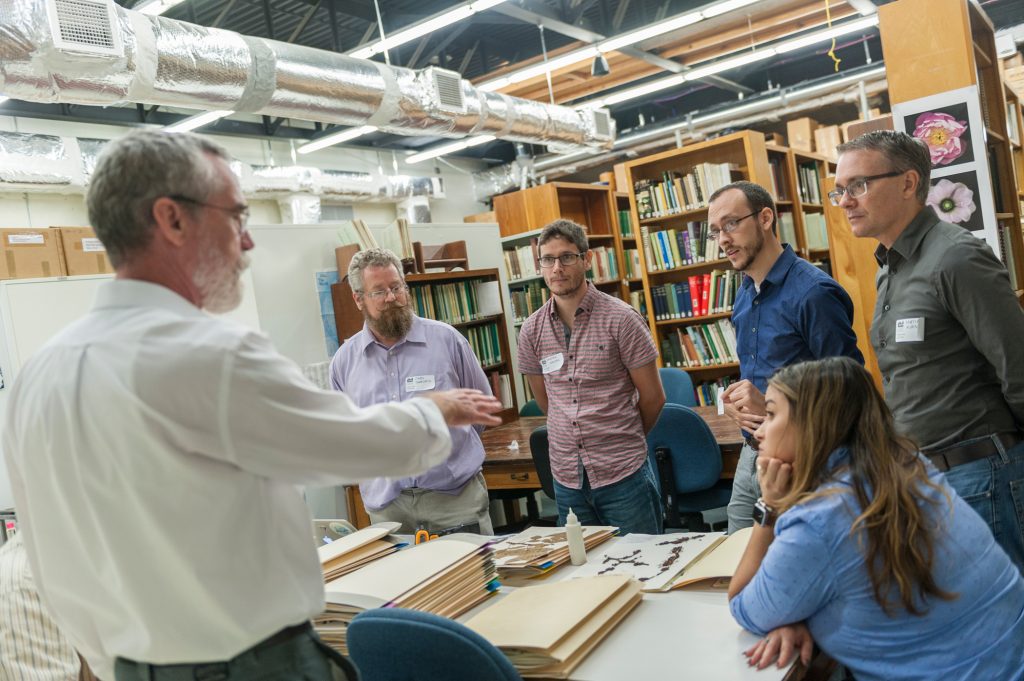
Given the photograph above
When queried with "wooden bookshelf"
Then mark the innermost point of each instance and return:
(349, 320)
(797, 183)
(746, 154)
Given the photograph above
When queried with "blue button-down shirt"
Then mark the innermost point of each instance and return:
(432, 356)
(815, 571)
(799, 314)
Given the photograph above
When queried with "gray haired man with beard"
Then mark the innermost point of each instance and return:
(396, 357)
(156, 452)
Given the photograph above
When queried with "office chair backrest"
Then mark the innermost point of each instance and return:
(678, 387)
(541, 460)
(395, 644)
(531, 408)
(696, 457)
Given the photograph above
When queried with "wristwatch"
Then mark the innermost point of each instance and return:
(764, 515)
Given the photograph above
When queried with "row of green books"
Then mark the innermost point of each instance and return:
(700, 345)
(527, 300)
(486, 343)
(456, 302)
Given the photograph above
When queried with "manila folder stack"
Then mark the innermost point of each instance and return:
(548, 629)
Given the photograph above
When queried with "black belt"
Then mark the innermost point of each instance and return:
(959, 454)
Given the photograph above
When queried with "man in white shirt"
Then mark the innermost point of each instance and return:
(156, 452)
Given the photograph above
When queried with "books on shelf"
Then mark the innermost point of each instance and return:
(677, 192)
(809, 182)
(446, 576)
(707, 392)
(547, 630)
(700, 345)
(501, 387)
(521, 261)
(787, 229)
(486, 343)
(537, 550)
(696, 296)
(671, 248)
(604, 266)
(353, 551)
(626, 224)
(631, 261)
(639, 302)
(457, 302)
(815, 231)
(776, 166)
(527, 300)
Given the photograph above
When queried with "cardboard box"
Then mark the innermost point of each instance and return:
(800, 133)
(826, 139)
(83, 252)
(29, 253)
(489, 216)
(621, 183)
(855, 129)
(775, 138)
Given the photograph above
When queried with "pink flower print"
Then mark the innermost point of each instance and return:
(952, 201)
(941, 132)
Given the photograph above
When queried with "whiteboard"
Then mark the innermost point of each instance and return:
(32, 311)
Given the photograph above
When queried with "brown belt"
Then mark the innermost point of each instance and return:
(958, 455)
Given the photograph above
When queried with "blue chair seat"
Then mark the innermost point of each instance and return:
(395, 644)
(678, 387)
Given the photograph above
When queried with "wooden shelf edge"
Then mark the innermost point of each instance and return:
(694, 320)
(724, 262)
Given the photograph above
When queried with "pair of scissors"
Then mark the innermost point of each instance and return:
(423, 536)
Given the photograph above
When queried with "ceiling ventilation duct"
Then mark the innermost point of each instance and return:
(94, 52)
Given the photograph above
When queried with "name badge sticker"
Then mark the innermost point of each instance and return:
(910, 330)
(552, 363)
(415, 384)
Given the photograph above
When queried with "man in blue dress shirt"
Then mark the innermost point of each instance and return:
(786, 311)
(398, 356)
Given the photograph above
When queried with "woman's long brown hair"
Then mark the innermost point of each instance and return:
(833, 403)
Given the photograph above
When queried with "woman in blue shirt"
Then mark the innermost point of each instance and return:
(872, 554)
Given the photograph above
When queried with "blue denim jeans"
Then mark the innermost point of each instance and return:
(994, 487)
(632, 504)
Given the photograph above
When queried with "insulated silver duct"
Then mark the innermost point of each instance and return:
(130, 57)
(48, 164)
(773, 107)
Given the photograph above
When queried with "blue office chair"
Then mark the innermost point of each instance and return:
(531, 408)
(689, 465)
(395, 644)
(678, 387)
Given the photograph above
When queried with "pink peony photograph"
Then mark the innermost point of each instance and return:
(953, 199)
(946, 132)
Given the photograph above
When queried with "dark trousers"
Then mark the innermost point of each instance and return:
(295, 654)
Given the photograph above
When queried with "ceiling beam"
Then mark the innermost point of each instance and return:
(304, 21)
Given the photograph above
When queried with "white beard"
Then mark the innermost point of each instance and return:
(218, 281)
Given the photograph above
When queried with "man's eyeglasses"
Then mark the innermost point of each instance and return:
(567, 259)
(382, 294)
(729, 226)
(239, 213)
(859, 187)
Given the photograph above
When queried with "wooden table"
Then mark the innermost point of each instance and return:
(512, 469)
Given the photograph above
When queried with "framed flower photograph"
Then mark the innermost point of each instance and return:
(955, 198)
(946, 131)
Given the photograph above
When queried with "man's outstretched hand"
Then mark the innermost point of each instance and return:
(466, 407)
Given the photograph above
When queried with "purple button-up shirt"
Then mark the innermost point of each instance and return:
(432, 356)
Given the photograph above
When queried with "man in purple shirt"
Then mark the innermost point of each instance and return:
(398, 356)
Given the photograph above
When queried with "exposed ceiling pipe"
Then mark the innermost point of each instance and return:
(102, 54)
(771, 106)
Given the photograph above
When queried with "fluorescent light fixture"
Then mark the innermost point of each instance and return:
(730, 63)
(727, 6)
(649, 31)
(541, 68)
(3, 98)
(640, 91)
(449, 148)
(197, 121)
(423, 28)
(336, 138)
(154, 7)
(834, 32)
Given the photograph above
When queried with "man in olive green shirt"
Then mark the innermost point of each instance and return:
(948, 330)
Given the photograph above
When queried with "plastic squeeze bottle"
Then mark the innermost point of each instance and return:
(574, 535)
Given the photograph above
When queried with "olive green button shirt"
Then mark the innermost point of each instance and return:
(965, 379)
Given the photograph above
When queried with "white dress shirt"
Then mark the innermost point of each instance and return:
(156, 454)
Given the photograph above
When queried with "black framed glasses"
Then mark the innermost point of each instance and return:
(239, 213)
(382, 294)
(858, 187)
(729, 226)
(567, 259)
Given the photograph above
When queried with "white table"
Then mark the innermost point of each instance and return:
(681, 635)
